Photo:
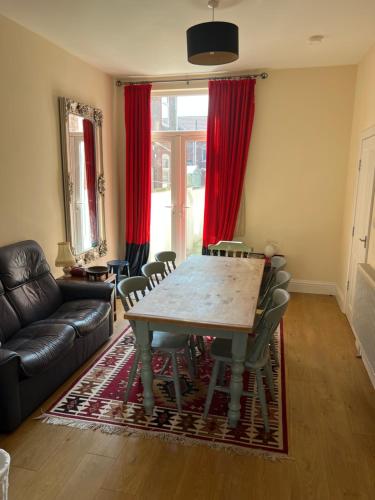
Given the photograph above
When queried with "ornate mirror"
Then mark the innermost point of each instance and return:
(82, 159)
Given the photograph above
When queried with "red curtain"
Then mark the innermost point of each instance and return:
(138, 174)
(89, 143)
(230, 120)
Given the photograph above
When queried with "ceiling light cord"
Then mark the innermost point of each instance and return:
(212, 4)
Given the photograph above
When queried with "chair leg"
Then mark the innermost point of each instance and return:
(269, 376)
(193, 356)
(200, 343)
(262, 399)
(132, 374)
(211, 387)
(189, 361)
(274, 355)
(221, 376)
(176, 381)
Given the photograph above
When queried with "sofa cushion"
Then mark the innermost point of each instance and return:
(28, 283)
(9, 322)
(84, 315)
(40, 345)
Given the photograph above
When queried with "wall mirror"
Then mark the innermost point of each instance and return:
(84, 187)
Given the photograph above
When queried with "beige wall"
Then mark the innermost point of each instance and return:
(295, 184)
(297, 163)
(34, 73)
(363, 118)
(297, 167)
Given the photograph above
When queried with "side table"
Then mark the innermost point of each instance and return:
(111, 279)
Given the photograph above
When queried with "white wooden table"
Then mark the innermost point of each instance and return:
(204, 296)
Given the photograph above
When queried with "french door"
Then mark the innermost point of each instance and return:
(178, 187)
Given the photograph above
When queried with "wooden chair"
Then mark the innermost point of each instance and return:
(230, 249)
(258, 356)
(169, 259)
(154, 272)
(131, 290)
(278, 263)
(282, 280)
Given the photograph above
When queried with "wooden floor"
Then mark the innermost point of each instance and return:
(331, 423)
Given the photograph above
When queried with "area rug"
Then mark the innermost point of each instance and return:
(94, 401)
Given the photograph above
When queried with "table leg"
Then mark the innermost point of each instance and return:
(143, 341)
(239, 344)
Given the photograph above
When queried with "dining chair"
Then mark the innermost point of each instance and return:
(257, 359)
(277, 263)
(131, 290)
(169, 259)
(154, 272)
(282, 279)
(230, 249)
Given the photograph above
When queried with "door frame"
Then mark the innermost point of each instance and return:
(178, 140)
(365, 134)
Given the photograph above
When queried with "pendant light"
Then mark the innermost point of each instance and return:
(212, 43)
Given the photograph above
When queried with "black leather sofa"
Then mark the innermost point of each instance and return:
(48, 328)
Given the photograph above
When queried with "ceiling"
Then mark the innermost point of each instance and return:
(147, 37)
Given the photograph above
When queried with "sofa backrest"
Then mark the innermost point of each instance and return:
(9, 322)
(29, 285)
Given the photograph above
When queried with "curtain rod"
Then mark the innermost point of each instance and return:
(262, 76)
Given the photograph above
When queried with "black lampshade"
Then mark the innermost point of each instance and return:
(212, 43)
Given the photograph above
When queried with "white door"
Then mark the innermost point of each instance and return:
(362, 220)
(178, 188)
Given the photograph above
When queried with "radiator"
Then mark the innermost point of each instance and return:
(364, 315)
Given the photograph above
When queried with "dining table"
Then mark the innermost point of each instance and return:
(209, 296)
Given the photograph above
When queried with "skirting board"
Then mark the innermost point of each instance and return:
(319, 287)
(340, 298)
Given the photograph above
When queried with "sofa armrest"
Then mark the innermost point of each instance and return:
(76, 290)
(7, 356)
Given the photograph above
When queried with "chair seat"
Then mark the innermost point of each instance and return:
(83, 315)
(221, 349)
(165, 341)
(39, 345)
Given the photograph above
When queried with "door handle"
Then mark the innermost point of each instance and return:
(364, 241)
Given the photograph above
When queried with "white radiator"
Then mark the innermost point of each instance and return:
(364, 316)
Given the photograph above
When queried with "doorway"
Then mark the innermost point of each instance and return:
(361, 231)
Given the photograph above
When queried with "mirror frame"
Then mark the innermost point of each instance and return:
(69, 106)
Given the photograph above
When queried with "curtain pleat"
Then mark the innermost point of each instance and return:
(138, 174)
(230, 120)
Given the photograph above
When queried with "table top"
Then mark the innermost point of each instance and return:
(204, 291)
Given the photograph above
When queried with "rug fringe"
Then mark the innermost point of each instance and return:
(163, 436)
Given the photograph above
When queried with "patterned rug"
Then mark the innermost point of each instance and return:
(95, 401)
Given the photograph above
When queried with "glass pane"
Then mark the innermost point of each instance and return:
(195, 189)
(161, 200)
(179, 112)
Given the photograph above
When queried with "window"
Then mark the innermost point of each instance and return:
(179, 112)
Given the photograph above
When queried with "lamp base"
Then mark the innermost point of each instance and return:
(67, 270)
